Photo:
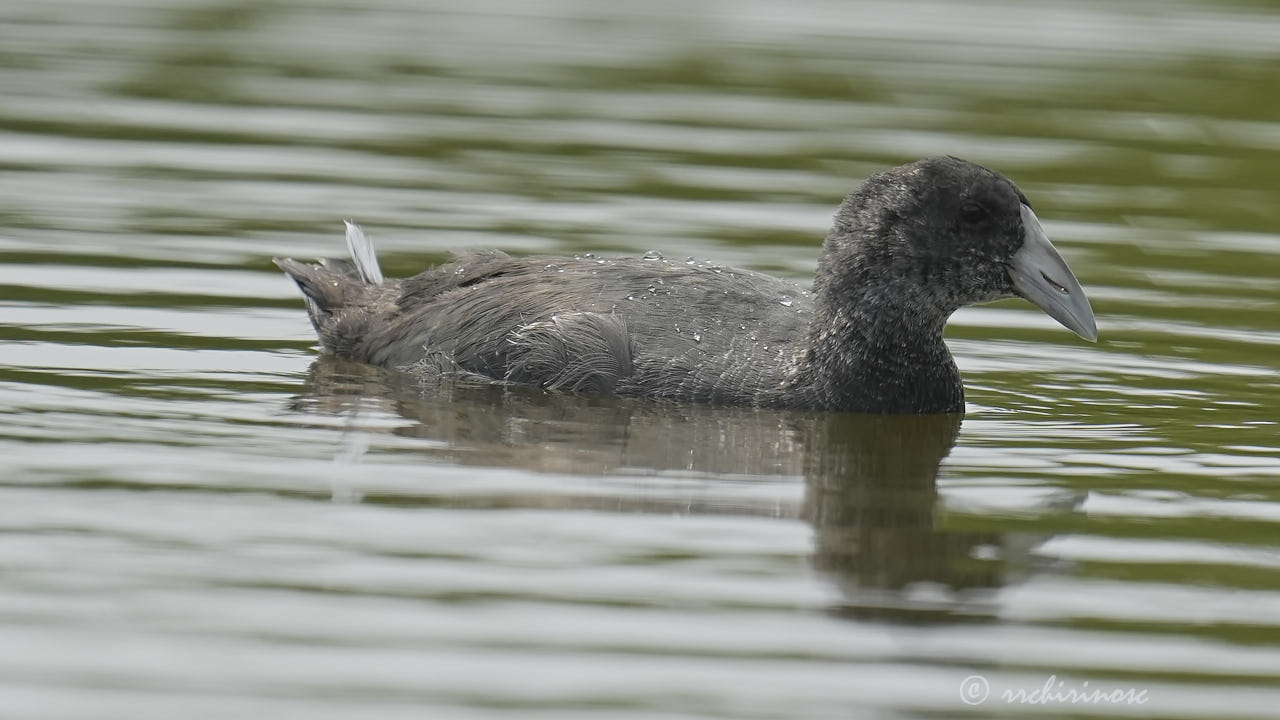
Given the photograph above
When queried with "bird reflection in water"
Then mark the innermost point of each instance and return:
(870, 480)
(871, 496)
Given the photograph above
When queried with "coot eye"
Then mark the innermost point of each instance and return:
(972, 213)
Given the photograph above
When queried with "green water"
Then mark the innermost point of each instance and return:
(199, 517)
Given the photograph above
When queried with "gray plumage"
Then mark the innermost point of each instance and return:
(907, 249)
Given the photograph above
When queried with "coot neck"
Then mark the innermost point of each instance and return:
(876, 346)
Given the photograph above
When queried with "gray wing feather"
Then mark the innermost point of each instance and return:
(578, 352)
(361, 249)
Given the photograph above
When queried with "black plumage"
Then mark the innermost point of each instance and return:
(907, 248)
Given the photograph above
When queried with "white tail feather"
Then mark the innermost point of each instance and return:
(361, 249)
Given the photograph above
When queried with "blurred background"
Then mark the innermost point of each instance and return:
(199, 518)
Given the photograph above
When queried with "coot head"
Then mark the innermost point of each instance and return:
(941, 233)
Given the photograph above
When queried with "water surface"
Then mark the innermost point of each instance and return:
(200, 517)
